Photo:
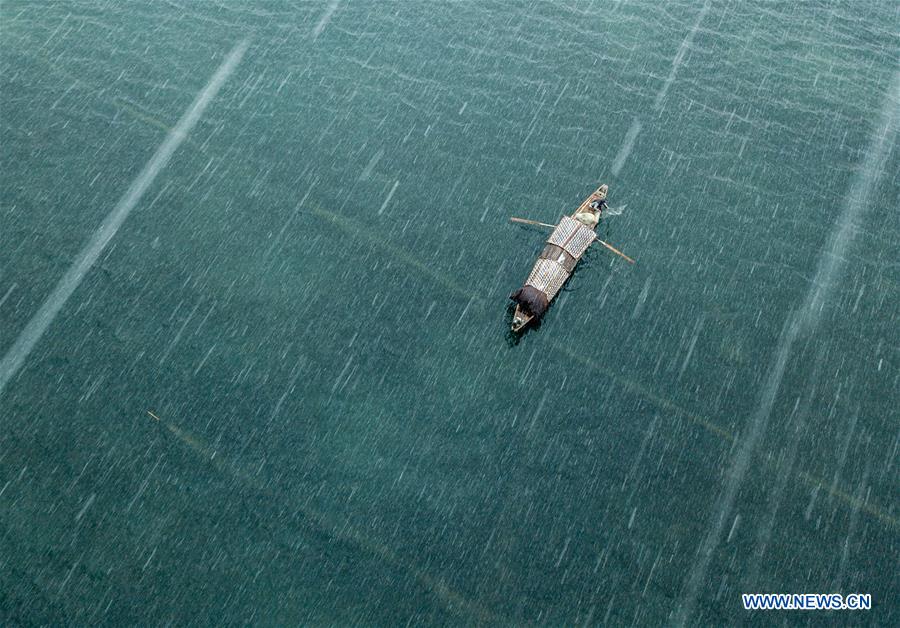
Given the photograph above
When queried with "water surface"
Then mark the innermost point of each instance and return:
(311, 298)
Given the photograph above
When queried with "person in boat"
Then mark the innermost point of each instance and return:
(590, 216)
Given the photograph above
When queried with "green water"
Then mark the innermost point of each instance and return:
(312, 299)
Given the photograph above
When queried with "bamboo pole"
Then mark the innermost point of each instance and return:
(525, 221)
(616, 251)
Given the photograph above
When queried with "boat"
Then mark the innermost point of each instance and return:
(556, 263)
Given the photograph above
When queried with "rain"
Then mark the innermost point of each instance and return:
(256, 363)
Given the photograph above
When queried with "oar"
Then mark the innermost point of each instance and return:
(525, 221)
(616, 251)
(532, 222)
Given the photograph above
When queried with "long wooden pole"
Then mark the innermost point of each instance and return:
(525, 221)
(616, 251)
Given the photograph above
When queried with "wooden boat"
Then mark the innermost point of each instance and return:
(562, 252)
